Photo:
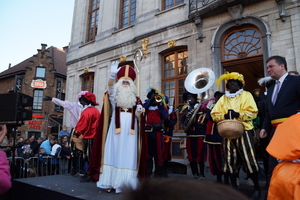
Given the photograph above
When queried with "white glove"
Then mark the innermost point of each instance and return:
(170, 109)
(139, 108)
(114, 69)
(210, 104)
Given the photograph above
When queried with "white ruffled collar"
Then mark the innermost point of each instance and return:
(86, 106)
(237, 93)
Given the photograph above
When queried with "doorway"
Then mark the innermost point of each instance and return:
(252, 69)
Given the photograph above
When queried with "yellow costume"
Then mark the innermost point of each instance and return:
(238, 150)
(243, 104)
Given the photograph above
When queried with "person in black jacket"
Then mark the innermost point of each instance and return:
(287, 90)
(65, 155)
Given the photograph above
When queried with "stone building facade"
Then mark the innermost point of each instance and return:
(173, 39)
(42, 74)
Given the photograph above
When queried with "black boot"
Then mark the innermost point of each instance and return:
(201, 166)
(194, 169)
(85, 178)
(165, 169)
(73, 173)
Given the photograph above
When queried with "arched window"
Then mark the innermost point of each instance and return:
(242, 43)
(242, 53)
(174, 71)
(88, 82)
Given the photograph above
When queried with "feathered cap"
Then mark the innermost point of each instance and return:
(228, 76)
(267, 81)
(126, 71)
(151, 90)
(81, 93)
(91, 97)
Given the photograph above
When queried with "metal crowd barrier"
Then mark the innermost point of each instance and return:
(33, 167)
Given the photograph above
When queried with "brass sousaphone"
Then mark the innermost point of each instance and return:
(197, 82)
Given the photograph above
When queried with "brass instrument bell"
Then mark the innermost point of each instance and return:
(158, 98)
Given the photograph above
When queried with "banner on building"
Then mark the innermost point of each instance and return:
(18, 84)
(58, 94)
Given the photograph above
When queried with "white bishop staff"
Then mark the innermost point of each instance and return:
(138, 56)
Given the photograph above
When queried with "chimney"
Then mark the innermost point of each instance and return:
(66, 48)
(9, 65)
(44, 46)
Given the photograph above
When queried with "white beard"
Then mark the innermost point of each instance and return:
(125, 94)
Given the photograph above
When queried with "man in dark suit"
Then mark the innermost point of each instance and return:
(283, 100)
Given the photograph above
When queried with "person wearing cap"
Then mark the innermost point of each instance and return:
(156, 112)
(115, 156)
(213, 139)
(239, 105)
(87, 128)
(286, 88)
(73, 107)
(195, 147)
(76, 144)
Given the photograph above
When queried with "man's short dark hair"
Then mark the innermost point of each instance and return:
(294, 72)
(279, 60)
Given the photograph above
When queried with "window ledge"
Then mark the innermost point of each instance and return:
(36, 111)
(41, 78)
(87, 43)
(122, 29)
(164, 11)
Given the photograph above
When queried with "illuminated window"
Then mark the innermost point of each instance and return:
(174, 70)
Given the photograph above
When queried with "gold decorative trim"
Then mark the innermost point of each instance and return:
(145, 46)
(171, 43)
(123, 59)
(86, 70)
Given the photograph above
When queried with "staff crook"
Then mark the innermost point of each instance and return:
(138, 56)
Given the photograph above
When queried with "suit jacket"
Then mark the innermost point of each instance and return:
(287, 103)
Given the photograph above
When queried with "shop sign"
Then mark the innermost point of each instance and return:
(39, 83)
(37, 116)
(35, 124)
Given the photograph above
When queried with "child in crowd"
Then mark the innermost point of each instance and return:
(42, 157)
(55, 152)
(28, 166)
(65, 157)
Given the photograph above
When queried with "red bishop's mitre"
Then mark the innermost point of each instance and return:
(126, 72)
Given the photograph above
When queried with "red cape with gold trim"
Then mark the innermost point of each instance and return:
(96, 160)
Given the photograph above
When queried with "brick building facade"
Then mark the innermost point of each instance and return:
(42, 74)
